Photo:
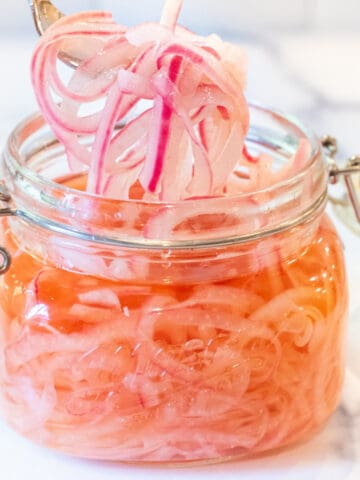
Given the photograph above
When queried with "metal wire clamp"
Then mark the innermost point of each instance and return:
(351, 168)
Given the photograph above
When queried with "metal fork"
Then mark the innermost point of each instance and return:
(45, 14)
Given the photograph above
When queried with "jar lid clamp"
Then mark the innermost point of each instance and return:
(5, 212)
(352, 167)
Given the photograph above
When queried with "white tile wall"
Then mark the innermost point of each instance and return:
(221, 15)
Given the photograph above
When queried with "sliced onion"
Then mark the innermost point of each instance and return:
(160, 63)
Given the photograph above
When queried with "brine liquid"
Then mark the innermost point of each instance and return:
(149, 371)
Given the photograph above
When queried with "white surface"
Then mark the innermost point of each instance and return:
(335, 453)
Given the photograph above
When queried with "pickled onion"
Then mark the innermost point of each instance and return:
(174, 372)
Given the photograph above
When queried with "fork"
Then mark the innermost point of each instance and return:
(45, 14)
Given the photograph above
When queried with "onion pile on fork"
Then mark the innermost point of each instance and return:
(179, 97)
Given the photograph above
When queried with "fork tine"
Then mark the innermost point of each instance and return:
(44, 14)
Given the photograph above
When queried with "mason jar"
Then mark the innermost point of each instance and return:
(204, 330)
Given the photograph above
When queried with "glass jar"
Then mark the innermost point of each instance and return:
(199, 331)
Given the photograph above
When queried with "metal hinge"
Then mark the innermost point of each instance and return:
(352, 167)
(5, 212)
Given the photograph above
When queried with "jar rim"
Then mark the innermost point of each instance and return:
(36, 197)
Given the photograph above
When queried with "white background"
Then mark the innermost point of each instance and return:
(233, 15)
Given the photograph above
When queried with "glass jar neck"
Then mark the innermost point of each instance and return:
(33, 160)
